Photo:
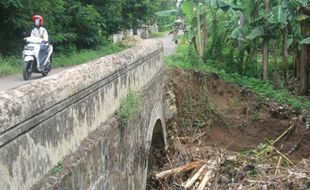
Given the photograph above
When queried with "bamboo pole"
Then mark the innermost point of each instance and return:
(180, 169)
(192, 180)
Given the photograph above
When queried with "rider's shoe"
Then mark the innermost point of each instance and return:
(41, 68)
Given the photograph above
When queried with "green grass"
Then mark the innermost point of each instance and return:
(130, 106)
(10, 65)
(158, 34)
(184, 58)
(77, 58)
(57, 169)
(13, 65)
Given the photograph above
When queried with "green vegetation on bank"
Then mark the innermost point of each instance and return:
(187, 59)
(13, 65)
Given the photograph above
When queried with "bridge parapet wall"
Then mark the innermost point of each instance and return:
(47, 119)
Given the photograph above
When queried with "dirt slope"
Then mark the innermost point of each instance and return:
(215, 117)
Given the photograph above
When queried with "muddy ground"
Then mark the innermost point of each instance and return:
(213, 117)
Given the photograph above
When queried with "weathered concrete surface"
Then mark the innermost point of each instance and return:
(45, 120)
(114, 157)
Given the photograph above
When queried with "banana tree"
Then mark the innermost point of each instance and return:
(195, 12)
(266, 41)
(302, 33)
(265, 25)
(285, 18)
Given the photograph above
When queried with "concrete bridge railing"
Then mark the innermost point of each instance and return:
(46, 120)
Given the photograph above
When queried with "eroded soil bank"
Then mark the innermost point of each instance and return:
(214, 118)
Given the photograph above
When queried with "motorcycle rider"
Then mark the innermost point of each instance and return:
(40, 31)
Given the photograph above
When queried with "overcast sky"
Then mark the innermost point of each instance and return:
(179, 1)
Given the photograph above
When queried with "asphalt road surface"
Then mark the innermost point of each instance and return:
(14, 81)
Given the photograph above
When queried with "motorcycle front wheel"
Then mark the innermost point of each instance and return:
(48, 68)
(27, 71)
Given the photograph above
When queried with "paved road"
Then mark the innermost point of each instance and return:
(169, 45)
(17, 80)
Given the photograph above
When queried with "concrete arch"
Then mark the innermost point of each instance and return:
(157, 123)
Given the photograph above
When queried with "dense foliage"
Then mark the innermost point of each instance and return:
(73, 25)
(166, 19)
(260, 38)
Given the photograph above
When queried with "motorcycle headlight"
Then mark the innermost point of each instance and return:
(29, 48)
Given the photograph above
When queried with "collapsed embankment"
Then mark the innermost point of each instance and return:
(254, 143)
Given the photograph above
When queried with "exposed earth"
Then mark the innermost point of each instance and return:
(217, 119)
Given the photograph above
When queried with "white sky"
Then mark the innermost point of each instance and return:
(179, 1)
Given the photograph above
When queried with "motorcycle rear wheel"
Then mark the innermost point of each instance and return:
(27, 71)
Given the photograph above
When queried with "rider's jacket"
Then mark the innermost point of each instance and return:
(41, 32)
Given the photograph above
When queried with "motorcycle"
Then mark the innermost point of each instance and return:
(37, 57)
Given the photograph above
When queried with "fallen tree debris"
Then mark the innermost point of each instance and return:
(283, 156)
(287, 131)
(192, 180)
(180, 169)
(213, 166)
(278, 165)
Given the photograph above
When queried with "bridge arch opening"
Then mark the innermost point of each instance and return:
(157, 155)
(158, 141)
(157, 148)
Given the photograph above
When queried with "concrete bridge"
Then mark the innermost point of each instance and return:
(61, 132)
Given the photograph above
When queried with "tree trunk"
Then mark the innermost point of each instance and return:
(254, 15)
(252, 55)
(199, 38)
(265, 59)
(304, 66)
(303, 70)
(285, 55)
(276, 76)
(265, 45)
(241, 53)
(194, 41)
(205, 34)
(241, 24)
(297, 64)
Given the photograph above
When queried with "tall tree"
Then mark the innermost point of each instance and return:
(266, 42)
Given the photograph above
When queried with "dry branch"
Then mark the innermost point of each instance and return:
(206, 178)
(213, 166)
(198, 137)
(283, 156)
(180, 169)
(192, 180)
(278, 165)
(284, 133)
